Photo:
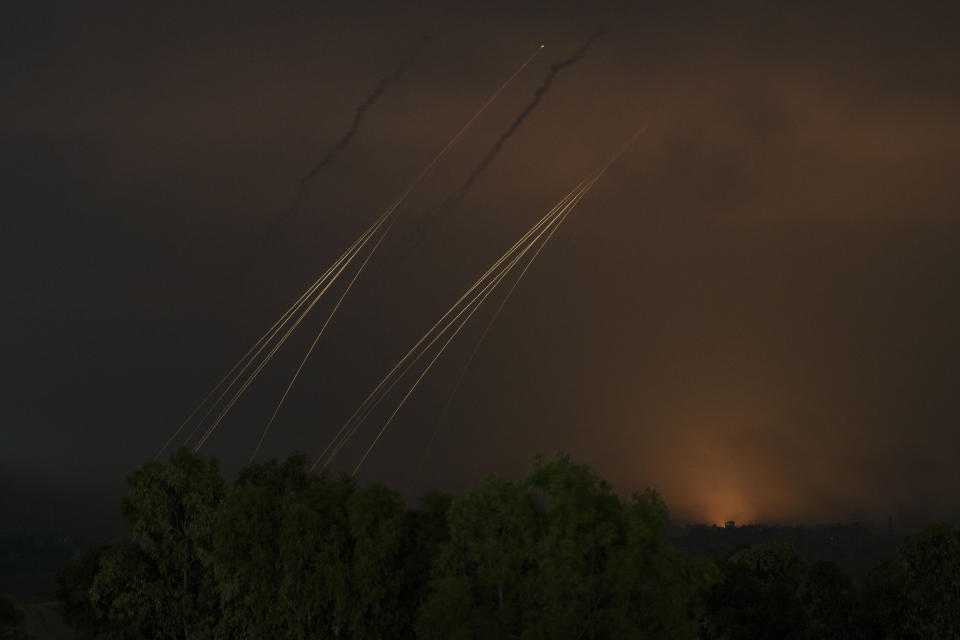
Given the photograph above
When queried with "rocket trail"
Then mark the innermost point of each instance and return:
(341, 264)
(540, 234)
(413, 387)
(302, 191)
(429, 338)
(378, 229)
(358, 115)
(370, 232)
(456, 197)
(456, 323)
(263, 243)
(513, 287)
(538, 95)
(467, 303)
(252, 355)
(493, 275)
(313, 346)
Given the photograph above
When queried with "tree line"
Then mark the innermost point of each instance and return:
(283, 553)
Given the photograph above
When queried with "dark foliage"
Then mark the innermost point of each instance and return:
(10, 620)
(283, 553)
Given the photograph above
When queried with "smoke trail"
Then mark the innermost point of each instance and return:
(454, 199)
(387, 218)
(541, 91)
(388, 214)
(361, 110)
(307, 180)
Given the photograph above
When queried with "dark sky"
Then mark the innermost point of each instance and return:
(756, 310)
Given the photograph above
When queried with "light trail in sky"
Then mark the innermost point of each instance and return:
(458, 314)
(316, 291)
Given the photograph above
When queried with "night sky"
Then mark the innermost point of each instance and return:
(756, 310)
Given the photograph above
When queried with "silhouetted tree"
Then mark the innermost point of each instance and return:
(102, 595)
(929, 564)
(830, 598)
(759, 595)
(558, 555)
(881, 602)
(73, 592)
(10, 616)
(303, 556)
(376, 518)
(171, 513)
(315, 551)
(121, 595)
(284, 553)
(246, 550)
(10, 620)
(425, 532)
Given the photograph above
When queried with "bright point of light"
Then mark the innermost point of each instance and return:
(541, 46)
